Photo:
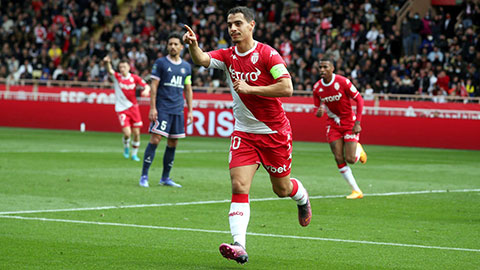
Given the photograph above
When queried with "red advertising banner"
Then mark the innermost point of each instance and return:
(388, 123)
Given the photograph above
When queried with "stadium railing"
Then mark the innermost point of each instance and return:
(6, 84)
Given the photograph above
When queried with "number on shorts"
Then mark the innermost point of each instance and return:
(236, 142)
(163, 125)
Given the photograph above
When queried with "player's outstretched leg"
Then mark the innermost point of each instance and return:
(347, 174)
(235, 252)
(361, 154)
(300, 195)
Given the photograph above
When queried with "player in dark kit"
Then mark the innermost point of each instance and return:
(171, 78)
(332, 94)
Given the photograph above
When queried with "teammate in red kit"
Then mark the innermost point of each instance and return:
(332, 94)
(257, 76)
(126, 105)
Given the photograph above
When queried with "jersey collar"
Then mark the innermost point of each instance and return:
(330, 83)
(172, 61)
(247, 52)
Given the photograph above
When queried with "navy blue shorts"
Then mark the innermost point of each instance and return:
(168, 125)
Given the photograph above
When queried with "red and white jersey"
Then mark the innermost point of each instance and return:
(125, 90)
(336, 96)
(260, 66)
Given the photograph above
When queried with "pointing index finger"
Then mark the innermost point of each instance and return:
(189, 30)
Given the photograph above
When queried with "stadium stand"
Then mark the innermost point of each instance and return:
(384, 46)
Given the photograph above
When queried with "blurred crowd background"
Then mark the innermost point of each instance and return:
(434, 54)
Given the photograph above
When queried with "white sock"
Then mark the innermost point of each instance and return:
(238, 218)
(135, 146)
(126, 142)
(348, 175)
(299, 193)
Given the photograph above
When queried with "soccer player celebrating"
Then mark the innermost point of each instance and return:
(332, 94)
(257, 77)
(126, 105)
(171, 77)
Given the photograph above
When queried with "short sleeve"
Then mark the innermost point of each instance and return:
(156, 70)
(276, 65)
(350, 89)
(217, 59)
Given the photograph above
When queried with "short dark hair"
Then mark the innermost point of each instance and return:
(124, 60)
(247, 13)
(175, 35)
(326, 59)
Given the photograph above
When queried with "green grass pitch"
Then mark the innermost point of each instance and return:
(69, 200)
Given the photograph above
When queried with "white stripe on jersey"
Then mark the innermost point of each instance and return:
(244, 119)
(121, 101)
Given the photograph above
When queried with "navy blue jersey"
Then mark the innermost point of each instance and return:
(172, 78)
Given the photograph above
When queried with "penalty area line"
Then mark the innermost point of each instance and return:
(228, 200)
(248, 233)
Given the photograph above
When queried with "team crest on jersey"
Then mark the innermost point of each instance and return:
(337, 86)
(254, 58)
(182, 70)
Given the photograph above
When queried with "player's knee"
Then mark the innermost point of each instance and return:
(155, 139)
(239, 186)
(350, 159)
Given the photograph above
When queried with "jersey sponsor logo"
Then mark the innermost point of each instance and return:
(254, 57)
(248, 77)
(234, 57)
(126, 86)
(176, 81)
(332, 98)
(350, 136)
(169, 69)
(235, 213)
(337, 86)
(276, 170)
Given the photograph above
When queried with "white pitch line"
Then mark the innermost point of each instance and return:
(225, 201)
(101, 151)
(248, 233)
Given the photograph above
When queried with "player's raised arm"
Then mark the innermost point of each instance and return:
(108, 65)
(199, 57)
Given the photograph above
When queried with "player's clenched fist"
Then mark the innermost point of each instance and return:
(241, 87)
(189, 37)
(320, 111)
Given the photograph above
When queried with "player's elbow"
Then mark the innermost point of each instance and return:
(287, 88)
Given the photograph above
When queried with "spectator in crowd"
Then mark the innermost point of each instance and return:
(344, 30)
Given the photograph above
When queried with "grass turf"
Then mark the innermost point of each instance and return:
(51, 169)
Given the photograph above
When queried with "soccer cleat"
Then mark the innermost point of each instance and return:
(355, 195)
(144, 181)
(363, 154)
(169, 182)
(234, 251)
(135, 158)
(305, 213)
(126, 152)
